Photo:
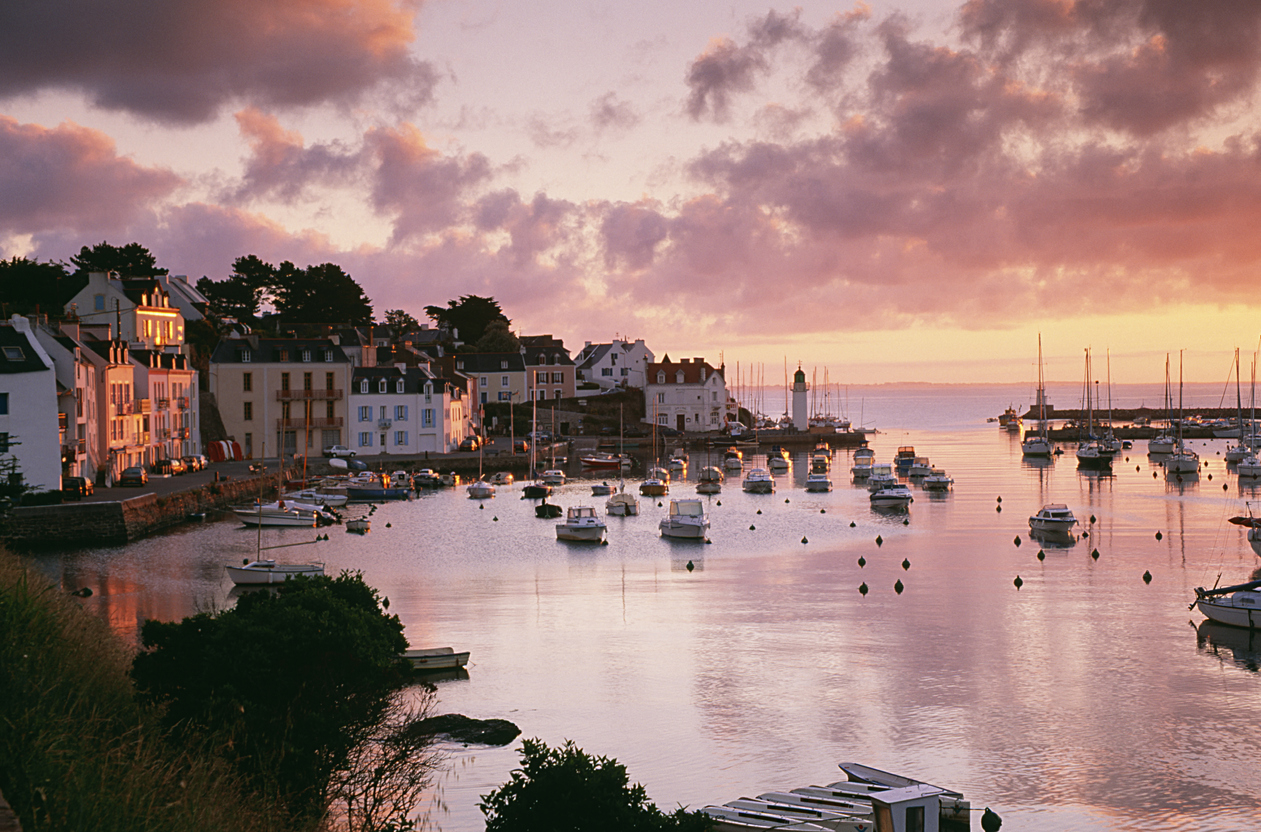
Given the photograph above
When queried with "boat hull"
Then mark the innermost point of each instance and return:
(255, 575)
(1232, 610)
(684, 531)
(274, 518)
(435, 658)
(580, 534)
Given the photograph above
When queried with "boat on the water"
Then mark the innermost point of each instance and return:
(759, 481)
(686, 519)
(1237, 606)
(1053, 517)
(709, 480)
(893, 496)
(581, 524)
(818, 482)
(480, 490)
(553, 476)
(904, 458)
(284, 513)
(547, 511)
(1039, 444)
(622, 504)
(435, 658)
(881, 476)
(426, 478)
(654, 487)
(359, 525)
(937, 480)
(263, 571)
(601, 489)
(920, 467)
(733, 459)
(864, 458)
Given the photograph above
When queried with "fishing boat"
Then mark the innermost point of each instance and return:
(864, 458)
(759, 481)
(686, 519)
(1053, 517)
(1237, 606)
(893, 496)
(1039, 444)
(709, 480)
(904, 458)
(654, 487)
(263, 571)
(582, 525)
(547, 511)
(882, 476)
(622, 504)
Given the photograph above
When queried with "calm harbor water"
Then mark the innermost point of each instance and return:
(1086, 699)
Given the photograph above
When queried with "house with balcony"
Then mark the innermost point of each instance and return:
(550, 370)
(76, 400)
(688, 395)
(615, 365)
(168, 383)
(122, 421)
(285, 395)
(406, 410)
(29, 426)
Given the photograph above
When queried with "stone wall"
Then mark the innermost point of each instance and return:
(85, 523)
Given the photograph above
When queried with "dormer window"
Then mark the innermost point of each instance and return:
(306, 355)
(284, 355)
(363, 386)
(246, 357)
(661, 376)
(503, 365)
(381, 385)
(398, 386)
(678, 377)
(328, 355)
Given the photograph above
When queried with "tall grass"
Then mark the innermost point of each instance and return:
(76, 750)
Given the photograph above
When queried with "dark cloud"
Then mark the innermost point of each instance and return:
(631, 234)
(608, 112)
(726, 68)
(180, 62)
(71, 177)
(281, 167)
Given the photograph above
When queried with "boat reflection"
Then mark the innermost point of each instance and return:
(1053, 539)
(1037, 462)
(1238, 645)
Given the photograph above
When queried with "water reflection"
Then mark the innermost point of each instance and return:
(1053, 539)
(1236, 645)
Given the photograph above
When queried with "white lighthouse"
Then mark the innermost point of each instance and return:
(801, 406)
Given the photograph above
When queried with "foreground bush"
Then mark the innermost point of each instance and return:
(76, 750)
(565, 790)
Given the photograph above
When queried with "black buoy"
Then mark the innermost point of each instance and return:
(990, 821)
(862, 561)
(690, 566)
(852, 524)
(1041, 555)
(385, 603)
(906, 521)
(1210, 477)
(1147, 577)
(823, 511)
(752, 528)
(804, 540)
(1094, 553)
(718, 502)
(388, 526)
(1017, 540)
(998, 509)
(1159, 535)
(1018, 582)
(1224, 488)
(1138, 468)
(1153, 475)
(906, 565)
(759, 511)
(659, 504)
(879, 540)
(1000, 499)
(1085, 534)
(898, 587)
(785, 499)
(863, 589)
(1092, 519)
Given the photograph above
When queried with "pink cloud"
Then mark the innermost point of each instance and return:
(72, 177)
(181, 62)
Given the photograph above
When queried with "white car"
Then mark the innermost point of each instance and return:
(338, 451)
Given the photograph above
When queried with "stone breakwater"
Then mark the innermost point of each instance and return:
(118, 522)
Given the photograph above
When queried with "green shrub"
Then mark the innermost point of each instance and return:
(566, 790)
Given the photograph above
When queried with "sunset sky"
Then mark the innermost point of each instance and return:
(898, 191)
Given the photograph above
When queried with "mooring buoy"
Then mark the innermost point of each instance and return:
(906, 565)
(863, 589)
(690, 566)
(1159, 535)
(1094, 553)
(1018, 582)
(1041, 555)
(1147, 577)
(862, 561)
(879, 540)
(898, 587)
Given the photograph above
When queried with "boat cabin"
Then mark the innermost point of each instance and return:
(914, 808)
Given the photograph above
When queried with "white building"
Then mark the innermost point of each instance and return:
(405, 410)
(139, 309)
(29, 429)
(617, 364)
(689, 395)
(76, 400)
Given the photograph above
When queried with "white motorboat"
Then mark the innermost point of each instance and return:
(622, 504)
(1183, 460)
(1053, 517)
(426, 478)
(435, 658)
(686, 519)
(581, 524)
(920, 467)
(821, 460)
(1160, 444)
(777, 464)
(656, 472)
(733, 459)
(709, 481)
(864, 458)
(678, 460)
(881, 476)
(1249, 467)
(359, 525)
(553, 476)
(937, 480)
(759, 481)
(319, 497)
(257, 572)
(502, 478)
(281, 513)
(893, 496)
(1237, 606)
(818, 482)
(480, 490)
(601, 489)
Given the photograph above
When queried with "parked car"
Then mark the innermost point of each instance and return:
(171, 467)
(338, 451)
(470, 443)
(75, 488)
(194, 462)
(520, 446)
(133, 476)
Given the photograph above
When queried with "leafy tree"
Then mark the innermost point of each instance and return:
(289, 684)
(498, 338)
(243, 292)
(321, 294)
(29, 286)
(566, 790)
(400, 321)
(131, 260)
(468, 317)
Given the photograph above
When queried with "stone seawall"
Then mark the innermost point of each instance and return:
(94, 523)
